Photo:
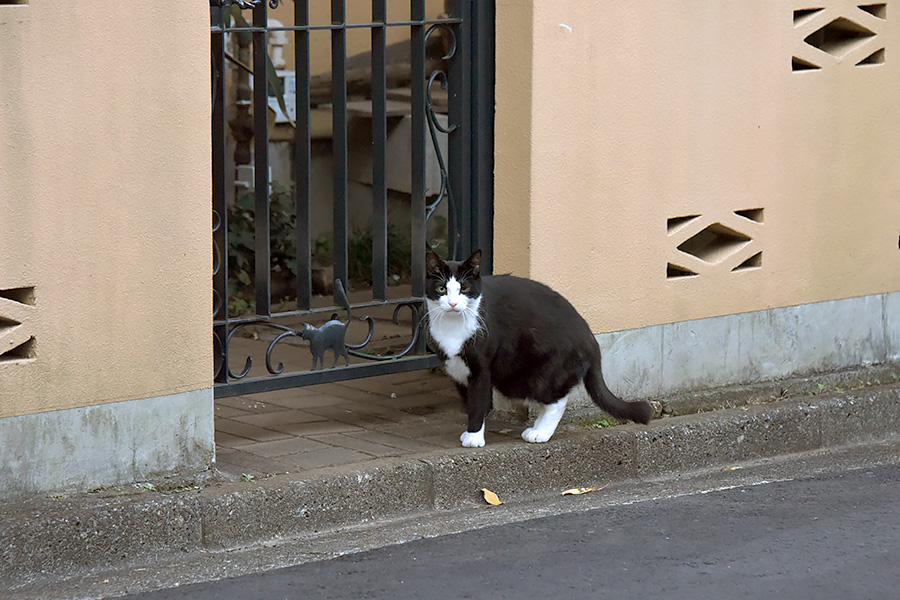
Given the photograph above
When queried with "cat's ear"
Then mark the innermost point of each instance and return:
(472, 266)
(434, 264)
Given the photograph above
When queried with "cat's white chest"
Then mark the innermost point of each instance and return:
(457, 369)
(450, 331)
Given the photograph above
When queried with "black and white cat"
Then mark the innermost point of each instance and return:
(516, 336)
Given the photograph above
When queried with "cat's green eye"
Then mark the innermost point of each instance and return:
(465, 288)
(441, 289)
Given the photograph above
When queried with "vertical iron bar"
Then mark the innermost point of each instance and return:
(483, 25)
(262, 268)
(339, 137)
(219, 208)
(379, 142)
(458, 116)
(302, 156)
(417, 145)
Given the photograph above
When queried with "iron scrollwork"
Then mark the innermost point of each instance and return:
(243, 4)
(433, 124)
(318, 354)
(217, 262)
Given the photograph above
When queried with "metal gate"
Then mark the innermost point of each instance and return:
(342, 142)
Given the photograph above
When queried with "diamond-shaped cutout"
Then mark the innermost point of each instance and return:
(715, 243)
(677, 272)
(839, 37)
(16, 306)
(876, 58)
(754, 262)
(878, 10)
(803, 15)
(798, 64)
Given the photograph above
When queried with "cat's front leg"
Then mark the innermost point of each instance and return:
(473, 440)
(478, 404)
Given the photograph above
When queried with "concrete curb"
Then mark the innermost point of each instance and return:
(57, 539)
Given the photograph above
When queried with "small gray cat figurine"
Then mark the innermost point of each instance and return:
(330, 335)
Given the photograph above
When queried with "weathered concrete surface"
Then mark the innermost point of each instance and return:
(767, 345)
(48, 541)
(107, 444)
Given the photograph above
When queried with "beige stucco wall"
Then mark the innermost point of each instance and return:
(614, 118)
(104, 201)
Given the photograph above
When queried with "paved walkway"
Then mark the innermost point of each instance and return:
(333, 424)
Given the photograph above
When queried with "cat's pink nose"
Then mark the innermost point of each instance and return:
(452, 304)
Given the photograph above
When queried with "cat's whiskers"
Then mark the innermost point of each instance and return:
(481, 329)
(452, 328)
(435, 314)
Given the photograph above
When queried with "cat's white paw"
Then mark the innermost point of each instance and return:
(535, 435)
(472, 440)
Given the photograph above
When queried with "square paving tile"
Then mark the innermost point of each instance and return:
(292, 445)
(227, 440)
(316, 428)
(245, 430)
(235, 463)
(394, 441)
(283, 417)
(360, 445)
(251, 404)
(352, 416)
(307, 401)
(386, 385)
(227, 412)
(384, 412)
(347, 393)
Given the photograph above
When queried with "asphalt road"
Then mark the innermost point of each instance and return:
(834, 536)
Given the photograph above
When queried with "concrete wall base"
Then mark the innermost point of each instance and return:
(108, 444)
(675, 358)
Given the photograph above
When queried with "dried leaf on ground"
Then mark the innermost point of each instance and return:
(582, 490)
(733, 468)
(490, 497)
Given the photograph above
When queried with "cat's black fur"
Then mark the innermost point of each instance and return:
(532, 344)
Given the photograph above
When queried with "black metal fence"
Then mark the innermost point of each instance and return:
(394, 141)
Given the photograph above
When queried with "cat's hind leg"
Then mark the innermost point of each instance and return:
(546, 422)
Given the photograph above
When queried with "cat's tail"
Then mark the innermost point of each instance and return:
(640, 411)
(342, 296)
